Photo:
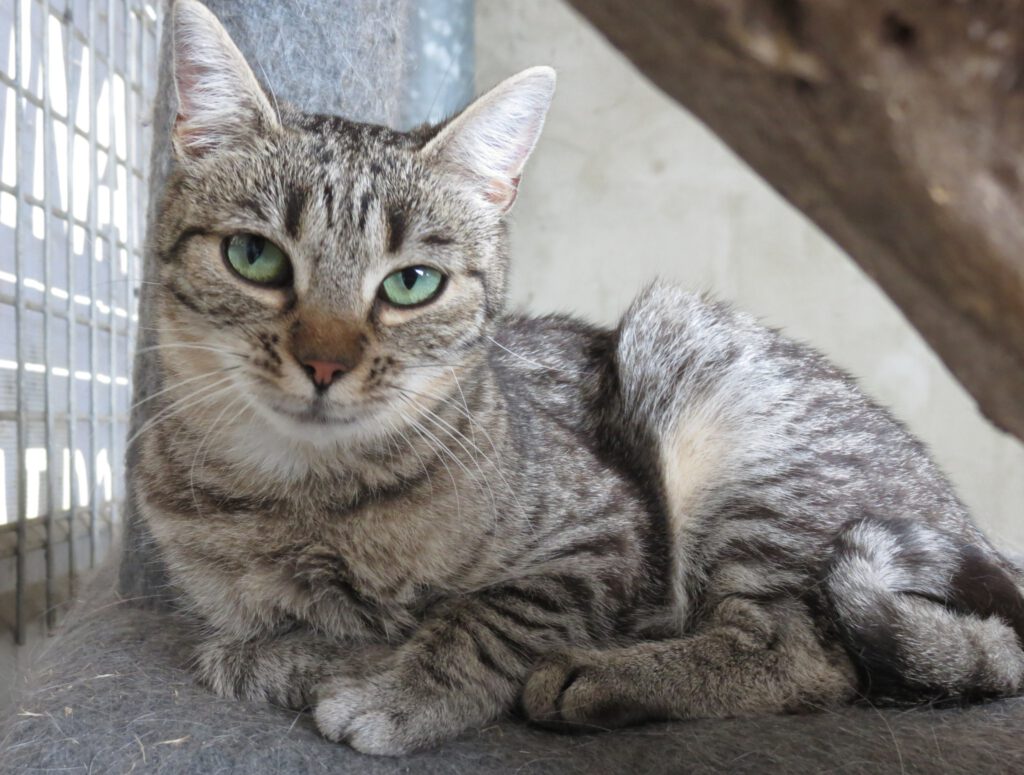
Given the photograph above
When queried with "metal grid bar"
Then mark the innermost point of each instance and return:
(120, 79)
(35, 306)
(33, 100)
(19, 325)
(129, 149)
(92, 232)
(62, 213)
(37, 536)
(72, 318)
(75, 33)
(112, 257)
(51, 469)
(60, 417)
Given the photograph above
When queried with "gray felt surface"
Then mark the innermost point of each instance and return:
(112, 694)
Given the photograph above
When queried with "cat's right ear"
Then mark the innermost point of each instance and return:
(220, 102)
(489, 142)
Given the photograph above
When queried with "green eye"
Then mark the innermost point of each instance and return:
(412, 286)
(257, 260)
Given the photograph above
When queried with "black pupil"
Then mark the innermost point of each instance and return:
(253, 249)
(410, 276)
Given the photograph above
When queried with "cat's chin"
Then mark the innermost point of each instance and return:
(321, 426)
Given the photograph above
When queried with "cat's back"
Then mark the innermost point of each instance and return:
(767, 419)
(740, 411)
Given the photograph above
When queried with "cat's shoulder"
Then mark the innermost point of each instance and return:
(554, 328)
(555, 347)
(663, 315)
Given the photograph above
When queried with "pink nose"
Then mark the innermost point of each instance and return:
(323, 373)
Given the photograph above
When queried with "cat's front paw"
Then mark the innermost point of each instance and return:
(579, 691)
(375, 715)
(235, 670)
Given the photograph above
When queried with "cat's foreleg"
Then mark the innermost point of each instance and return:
(280, 668)
(462, 668)
(748, 658)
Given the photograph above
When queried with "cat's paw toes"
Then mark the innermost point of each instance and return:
(574, 691)
(369, 716)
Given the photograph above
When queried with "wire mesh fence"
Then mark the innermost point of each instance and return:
(77, 84)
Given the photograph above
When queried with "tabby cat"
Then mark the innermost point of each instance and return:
(390, 500)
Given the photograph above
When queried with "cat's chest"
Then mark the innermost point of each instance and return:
(360, 576)
(334, 588)
(322, 566)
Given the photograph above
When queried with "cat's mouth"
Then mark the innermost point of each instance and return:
(316, 412)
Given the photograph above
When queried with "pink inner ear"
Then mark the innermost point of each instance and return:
(502, 193)
(190, 137)
(188, 76)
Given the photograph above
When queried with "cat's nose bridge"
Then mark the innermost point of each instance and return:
(327, 347)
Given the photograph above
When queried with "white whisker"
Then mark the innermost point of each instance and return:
(206, 438)
(163, 414)
(176, 385)
(188, 346)
(440, 424)
(426, 435)
(475, 423)
(538, 364)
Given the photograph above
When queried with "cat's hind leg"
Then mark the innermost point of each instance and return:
(924, 615)
(749, 657)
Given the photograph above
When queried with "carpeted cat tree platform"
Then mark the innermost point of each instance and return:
(112, 693)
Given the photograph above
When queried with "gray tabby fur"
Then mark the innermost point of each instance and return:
(687, 516)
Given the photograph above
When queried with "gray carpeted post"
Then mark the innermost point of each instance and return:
(394, 62)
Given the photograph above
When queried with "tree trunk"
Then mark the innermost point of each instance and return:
(897, 127)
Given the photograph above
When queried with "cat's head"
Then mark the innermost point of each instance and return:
(328, 274)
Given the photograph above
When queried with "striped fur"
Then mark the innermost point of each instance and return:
(689, 515)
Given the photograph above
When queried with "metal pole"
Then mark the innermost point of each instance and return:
(19, 326)
(131, 79)
(72, 314)
(91, 258)
(112, 256)
(51, 453)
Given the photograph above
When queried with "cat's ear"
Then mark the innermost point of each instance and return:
(490, 141)
(220, 102)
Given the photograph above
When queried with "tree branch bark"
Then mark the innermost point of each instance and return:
(896, 125)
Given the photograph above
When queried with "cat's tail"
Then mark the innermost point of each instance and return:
(923, 615)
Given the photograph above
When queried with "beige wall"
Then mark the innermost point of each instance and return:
(626, 186)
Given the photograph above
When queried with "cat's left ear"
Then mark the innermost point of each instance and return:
(220, 102)
(490, 141)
